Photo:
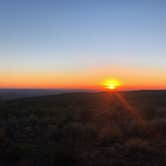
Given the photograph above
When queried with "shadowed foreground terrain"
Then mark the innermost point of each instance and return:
(84, 129)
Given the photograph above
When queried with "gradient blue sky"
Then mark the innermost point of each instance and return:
(69, 37)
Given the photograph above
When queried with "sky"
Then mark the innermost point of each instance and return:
(80, 43)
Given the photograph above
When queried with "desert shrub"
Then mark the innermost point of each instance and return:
(110, 134)
(160, 125)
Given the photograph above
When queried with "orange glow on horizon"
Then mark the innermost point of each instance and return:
(91, 78)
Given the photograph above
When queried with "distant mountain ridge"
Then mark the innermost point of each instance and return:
(7, 94)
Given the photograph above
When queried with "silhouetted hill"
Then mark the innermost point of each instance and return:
(84, 129)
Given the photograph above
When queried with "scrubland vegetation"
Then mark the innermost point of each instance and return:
(84, 129)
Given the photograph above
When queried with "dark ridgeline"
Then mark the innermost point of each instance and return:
(8, 94)
(84, 129)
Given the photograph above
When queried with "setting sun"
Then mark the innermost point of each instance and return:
(111, 84)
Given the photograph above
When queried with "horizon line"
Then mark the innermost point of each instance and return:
(83, 89)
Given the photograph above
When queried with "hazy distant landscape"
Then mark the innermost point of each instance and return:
(84, 129)
(8, 94)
